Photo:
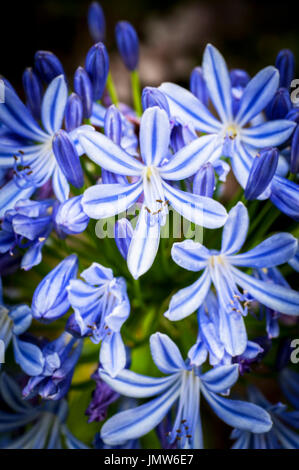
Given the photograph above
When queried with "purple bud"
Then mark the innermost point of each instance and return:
(239, 78)
(113, 124)
(280, 105)
(68, 158)
(73, 112)
(204, 181)
(198, 86)
(47, 65)
(97, 67)
(285, 62)
(70, 218)
(293, 115)
(261, 173)
(181, 135)
(83, 88)
(153, 97)
(295, 152)
(128, 44)
(123, 232)
(96, 22)
(33, 91)
(102, 397)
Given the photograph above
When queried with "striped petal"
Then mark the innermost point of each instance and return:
(105, 200)
(154, 136)
(189, 159)
(278, 298)
(113, 354)
(257, 94)
(274, 251)
(60, 185)
(190, 255)
(12, 193)
(201, 210)
(28, 356)
(184, 104)
(136, 422)
(218, 82)
(107, 154)
(268, 134)
(221, 378)
(53, 105)
(144, 245)
(187, 300)
(235, 229)
(285, 196)
(166, 354)
(242, 163)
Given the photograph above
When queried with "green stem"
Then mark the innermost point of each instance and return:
(111, 89)
(136, 92)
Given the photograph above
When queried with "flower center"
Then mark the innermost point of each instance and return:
(231, 131)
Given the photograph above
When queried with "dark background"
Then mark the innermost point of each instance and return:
(172, 33)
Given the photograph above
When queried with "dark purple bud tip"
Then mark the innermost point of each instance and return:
(96, 22)
(83, 88)
(97, 67)
(198, 86)
(47, 65)
(73, 112)
(33, 91)
(68, 158)
(285, 62)
(153, 97)
(127, 44)
(261, 173)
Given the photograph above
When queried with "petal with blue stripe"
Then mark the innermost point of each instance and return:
(166, 354)
(53, 105)
(190, 255)
(235, 229)
(154, 136)
(268, 134)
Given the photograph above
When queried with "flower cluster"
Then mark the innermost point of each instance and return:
(219, 161)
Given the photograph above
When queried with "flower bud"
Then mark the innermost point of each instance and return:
(239, 78)
(198, 86)
(204, 181)
(153, 97)
(68, 158)
(123, 232)
(128, 44)
(97, 67)
(295, 152)
(285, 62)
(70, 218)
(113, 124)
(73, 112)
(83, 88)
(47, 65)
(261, 173)
(96, 22)
(280, 105)
(33, 91)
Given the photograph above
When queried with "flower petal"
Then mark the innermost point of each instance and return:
(61, 187)
(239, 414)
(144, 244)
(105, 200)
(53, 105)
(187, 300)
(184, 104)
(221, 378)
(166, 354)
(107, 154)
(257, 94)
(113, 354)
(235, 229)
(189, 159)
(134, 385)
(274, 296)
(268, 134)
(136, 422)
(154, 136)
(28, 356)
(285, 195)
(190, 255)
(218, 82)
(241, 163)
(11, 193)
(273, 251)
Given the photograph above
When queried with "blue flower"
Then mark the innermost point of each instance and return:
(34, 153)
(231, 135)
(48, 420)
(183, 385)
(105, 200)
(101, 307)
(220, 268)
(280, 436)
(59, 360)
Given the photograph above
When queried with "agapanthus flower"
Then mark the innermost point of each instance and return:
(182, 386)
(47, 420)
(220, 269)
(14, 321)
(59, 358)
(101, 306)
(33, 156)
(105, 200)
(282, 435)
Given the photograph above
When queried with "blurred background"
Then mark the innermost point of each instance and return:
(172, 33)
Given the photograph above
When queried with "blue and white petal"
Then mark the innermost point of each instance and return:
(268, 134)
(235, 229)
(166, 354)
(154, 136)
(190, 255)
(53, 105)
